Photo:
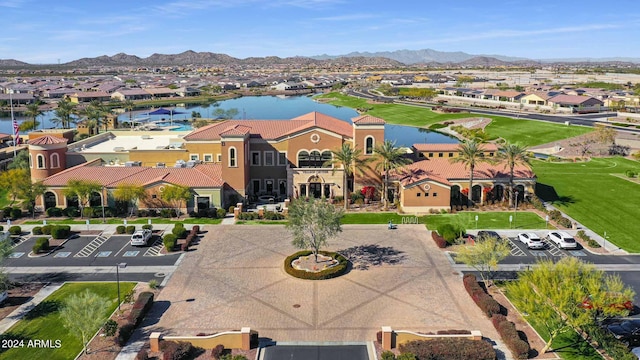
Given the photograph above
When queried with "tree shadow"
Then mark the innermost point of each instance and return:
(364, 256)
(43, 309)
(546, 192)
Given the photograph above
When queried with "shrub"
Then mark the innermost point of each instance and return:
(120, 229)
(537, 203)
(110, 327)
(321, 275)
(232, 209)
(54, 212)
(42, 244)
(72, 211)
(47, 229)
(507, 330)
(450, 349)
(220, 213)
(15, 230)
(147, 227)
(130, 229)
(630, 174)
(179, 231)
(450, 232)
(388, 355)
(124, 333)
(176, 350)
(271, 215)
(169, 241)
(439, 240)
(16, 213)
(564, 222)
(217, 351)
(406, 356)
(168, 213)
(140, 308)
(88, 212)
(37, 230)
(555, 214)
(60, 231)
(484, 301)
(153, 284)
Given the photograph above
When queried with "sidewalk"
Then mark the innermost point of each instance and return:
(21, 311)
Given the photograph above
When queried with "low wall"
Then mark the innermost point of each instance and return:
(392, 339)
(229, 339)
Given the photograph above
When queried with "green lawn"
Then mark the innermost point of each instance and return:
(593, 196)
(44, 323)
(526, 132)
(119, 221)
(486, 220)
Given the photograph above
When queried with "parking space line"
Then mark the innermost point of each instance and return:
(155, 248)
(92, 246)
(515, 249)
(122, 248)
(554, 250)
(19, 240)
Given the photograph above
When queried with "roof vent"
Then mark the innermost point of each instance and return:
(146, 137)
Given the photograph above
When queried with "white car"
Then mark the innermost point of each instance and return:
(141, 237)
(563, 240)
(532, 240)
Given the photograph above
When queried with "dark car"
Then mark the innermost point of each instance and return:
(627, 331)
(487, 234)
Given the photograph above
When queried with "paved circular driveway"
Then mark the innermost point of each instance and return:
(400, 279)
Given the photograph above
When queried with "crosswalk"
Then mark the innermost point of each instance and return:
(92, 246)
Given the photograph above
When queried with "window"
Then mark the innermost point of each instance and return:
(303, 190)
(269, 186)
(218, 157)
(255, 158)
(208, 158)
(154, 196)
(30, 161)
(421, 155)
(268, 158)
(233, 161)
(440, 154)
(194, 157)
(282, 159)
(40, 160)
(313, 159)
(430, 154)
(417, 194)
(434, 194)
(369, 144)
(55, 161)
(282, 187)
(490, 154)
(450, 154)
(256, 186)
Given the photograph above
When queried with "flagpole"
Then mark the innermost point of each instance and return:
(13, 122)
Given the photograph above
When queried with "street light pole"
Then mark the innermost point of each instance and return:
(118, 266)
(102, 200)
(515, 210)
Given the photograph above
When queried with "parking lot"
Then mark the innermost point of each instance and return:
(90, 249)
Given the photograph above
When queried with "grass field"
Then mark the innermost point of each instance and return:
(43, 322)
(589, 193)
(526, 132)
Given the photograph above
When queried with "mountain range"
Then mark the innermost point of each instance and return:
(384, 58)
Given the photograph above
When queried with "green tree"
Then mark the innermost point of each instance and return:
(312, 223)
(6, 248)
(484, 256)
(176, 195)
(29, 193)
(605, 134)
(470, 154)
(83, 314)
(351, 161)
(64, 113)
(33, 111)
(83, 189)
(463, 81)
(512, 155)
(129, 105)
(130, 194)
(389, 157)
(12, 180)
(21, 161)
(551, 294)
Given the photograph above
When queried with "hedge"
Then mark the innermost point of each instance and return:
(507, 330)
(15, 230)
(179, 231)
(130, 229)
(147, 227)
(332, 272)
(169, 241)
(124, 333)
(47, 229)
(140, 308)
(484, 301)
(60, 231)
(37, 230)
(120, 229)
(54, 212)
(172, 350)
(439, 240)
(450, 349)
(42, 244)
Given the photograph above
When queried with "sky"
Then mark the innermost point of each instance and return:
(52, 31)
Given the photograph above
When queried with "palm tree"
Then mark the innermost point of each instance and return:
(470, 153)
(64, 113)
(129, 105)
(33, 111)
(351, 161)
(512, 155)
(389, 157)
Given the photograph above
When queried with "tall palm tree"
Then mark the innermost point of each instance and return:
(512, 155)
(33, 111)
(470, 153)
(93, 115)
(64, 112)
(351, 161)
(129, 105)
(389, 157)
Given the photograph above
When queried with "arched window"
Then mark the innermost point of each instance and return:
(40, 161)
(233, 161)
(55, 161)
(313, 159)
(369, 145)
(326, 158)
(303, 159)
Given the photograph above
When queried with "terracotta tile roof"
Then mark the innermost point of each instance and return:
(47, 140)
(450, 147)
(200, 176)
(444, 171)
(368, 120)
(236, 130)
(273, 129)
(570, 99)
(3, 135)
(508, 94)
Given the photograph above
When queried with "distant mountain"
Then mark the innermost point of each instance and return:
(11, 62)
(587, 60)
(420, 56)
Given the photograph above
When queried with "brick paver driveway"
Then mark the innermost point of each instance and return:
(236, 277)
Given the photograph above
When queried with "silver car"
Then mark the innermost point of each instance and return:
(563, 240)
(532, 240)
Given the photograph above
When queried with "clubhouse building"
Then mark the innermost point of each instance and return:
(240, 160)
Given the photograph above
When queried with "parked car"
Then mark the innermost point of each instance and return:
(627, 331)
(563, 240)
(141, 237)
(532, 240)
(488, 234)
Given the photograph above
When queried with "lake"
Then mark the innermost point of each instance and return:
(270, 108)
